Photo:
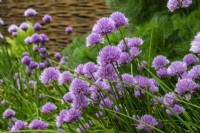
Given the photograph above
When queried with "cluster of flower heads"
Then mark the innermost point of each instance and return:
(174, 5)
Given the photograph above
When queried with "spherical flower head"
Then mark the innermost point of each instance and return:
(42, 65)
(37, 27)
(48, 108)
(68, 97)
(153, 85)
(142, 66)
(162, 72)
(47, 18)
(106, 72)
(194, 73)
(185, 86)
(14, 34)
(43, 50)
(8, 113)
(68, 30)
(1, 22)
(89, 68)
(159, 62)
(122, 45)
(44, 38)
(35, 48)
(64, 77)
(38, 124)
(19, 125)
(124, 58)
(26, 60)
(79, 87)
(177, 109)
(142, 82)
(94, 39)
(190, 59)
(24, 26)
(173, 5)
(80, 102)
(28, 40)
(146, 121)
(134, 42)
(79, 69)
(104, 26)
(129, 81)
(32, 65)
(119, 19)
(106, 103)
(1, 36)
(195, 44)
(12, 28)
(108, 55)
(177, 68)
(135, 52)
(25, 54)
(30, 12)
(36, 38)
(49, 75)
(57, 55)
(169, 98)
(72, 115)
(4, 102)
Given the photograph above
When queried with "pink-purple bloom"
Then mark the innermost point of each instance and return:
(68, 30)
(134, 51)
(47, 18)
(37, 27)
(94, 39)
(79, 87)
(88, 69)
(177, 109)
(1, 36)
(19, 125)
(169, 99)
(190, 59)
(119, 19)
(24, 26)
(57, 55)
(106, 72)
(195, 44)
(194, 73)
(38, 124)
(48, 108)
(68, 97)
(1, 22)
(129, 80)
(173, 5)
(79, 69)
(8, 113)
(162, 72)
(35, 38)
(104, 26)
(49, 75)
(146, 121)
(177, 68)
(12, 28)
(124, 58)
(30, 12)
(26, 60)
(159, 62)
(64, 77)
(80, 102)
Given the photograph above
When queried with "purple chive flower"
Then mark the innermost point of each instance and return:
(42, 65)
(1, 22)
(57, 56)
(24, 26)
(146, 121)
(135, 52)
(25, 54)
(68, 30)
(4, 102)
(60, 117)
(36, 38)
(79, 87)
(26, 60)
(32, 82)
(104, 26)
(44, 38)
(38, 124)
(72, 115)
(106, 72)
(119, 19)
(19, 125)
(8, 113)
(162, 72)
(195, 45)
(30, 12)
(37, 27)
(190, 59)
(194, 73)
(159, 62)
(134, 42)
(124, 58)
(142, 82)
(47, 18)
(106, 103)
(12, 28)
(177, 109)
(68, 97)
(79, 69)
(1, 36)
(48, 108)
(99, 114)
(108, 55)
(169, 98)
(94, 39)
(129, 80)
(32, 65)
(185, 86)
(173, 5)
(153, 85)
(14, 34)
(80, 102)
(89, 68)
(49, 75)
(177, 68)
(28, 40)
(36, 48)
(64, 77)
(122, 46)
(142, 66)
(43, 50)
